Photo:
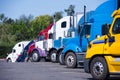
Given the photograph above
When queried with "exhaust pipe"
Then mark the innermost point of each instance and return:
(84, 14)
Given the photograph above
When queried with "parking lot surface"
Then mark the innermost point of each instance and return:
(42, 71)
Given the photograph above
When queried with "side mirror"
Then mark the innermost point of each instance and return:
(65, 34)
(107, 26)
(111, 39)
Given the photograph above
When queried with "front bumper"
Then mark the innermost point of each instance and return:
(63, 59)
(80, 59)
(86, 65)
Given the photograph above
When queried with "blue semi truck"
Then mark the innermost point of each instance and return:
(59, 43)
(74, 51)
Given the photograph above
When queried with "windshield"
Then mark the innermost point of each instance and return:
(40, 38)
(51, 36)
(116, 27)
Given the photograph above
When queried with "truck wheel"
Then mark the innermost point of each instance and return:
(70, 60)
(99, 69)
(9, 60)
(35, 56)
(61, 62)
(28, 59)
(53, 56)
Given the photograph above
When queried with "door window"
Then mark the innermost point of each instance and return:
(116, 27)
(86, 30)
(40, 38)
(19, 45)
(63, 24)
(13, 50)
(50, 36)
(105, 28)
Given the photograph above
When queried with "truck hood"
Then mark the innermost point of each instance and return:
(98, 40)
(76, 40)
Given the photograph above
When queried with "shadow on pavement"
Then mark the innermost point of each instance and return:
(112, 77)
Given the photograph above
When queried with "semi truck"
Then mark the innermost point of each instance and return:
(58, 43)
(103, 56)
(36, 50)
(75, 49)
(17, 51)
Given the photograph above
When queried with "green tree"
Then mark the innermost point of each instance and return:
(4, 19)
(40, 23)
(70, 11)
(5, 35)
(58, 15)
(21, 27)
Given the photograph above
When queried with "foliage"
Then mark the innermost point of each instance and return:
(24, 28)
(70, 11)
(40, 23)
(58, 15)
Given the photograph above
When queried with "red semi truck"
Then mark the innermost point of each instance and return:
(43, 35)
(29, 52)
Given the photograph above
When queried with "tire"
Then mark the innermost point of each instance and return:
(71, 60)
(35, 56)
(61, 62)
(99, 69)
(53, 56)
(28, 59)
(9, 60)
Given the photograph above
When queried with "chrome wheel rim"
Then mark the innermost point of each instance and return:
(98, 68)
(35, 56)
(70, 60)
(53, 57)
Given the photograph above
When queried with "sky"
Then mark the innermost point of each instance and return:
(15, 8)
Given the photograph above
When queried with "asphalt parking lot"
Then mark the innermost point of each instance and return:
(42, 71)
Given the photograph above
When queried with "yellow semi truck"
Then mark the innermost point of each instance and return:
(103, 54)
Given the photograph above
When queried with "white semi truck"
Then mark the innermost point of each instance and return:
(17, 50)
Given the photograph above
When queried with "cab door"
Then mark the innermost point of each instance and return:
(83, 40)
(113, 42)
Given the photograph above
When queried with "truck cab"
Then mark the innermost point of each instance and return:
(16, 51)
(103, 55)
(36, 50)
